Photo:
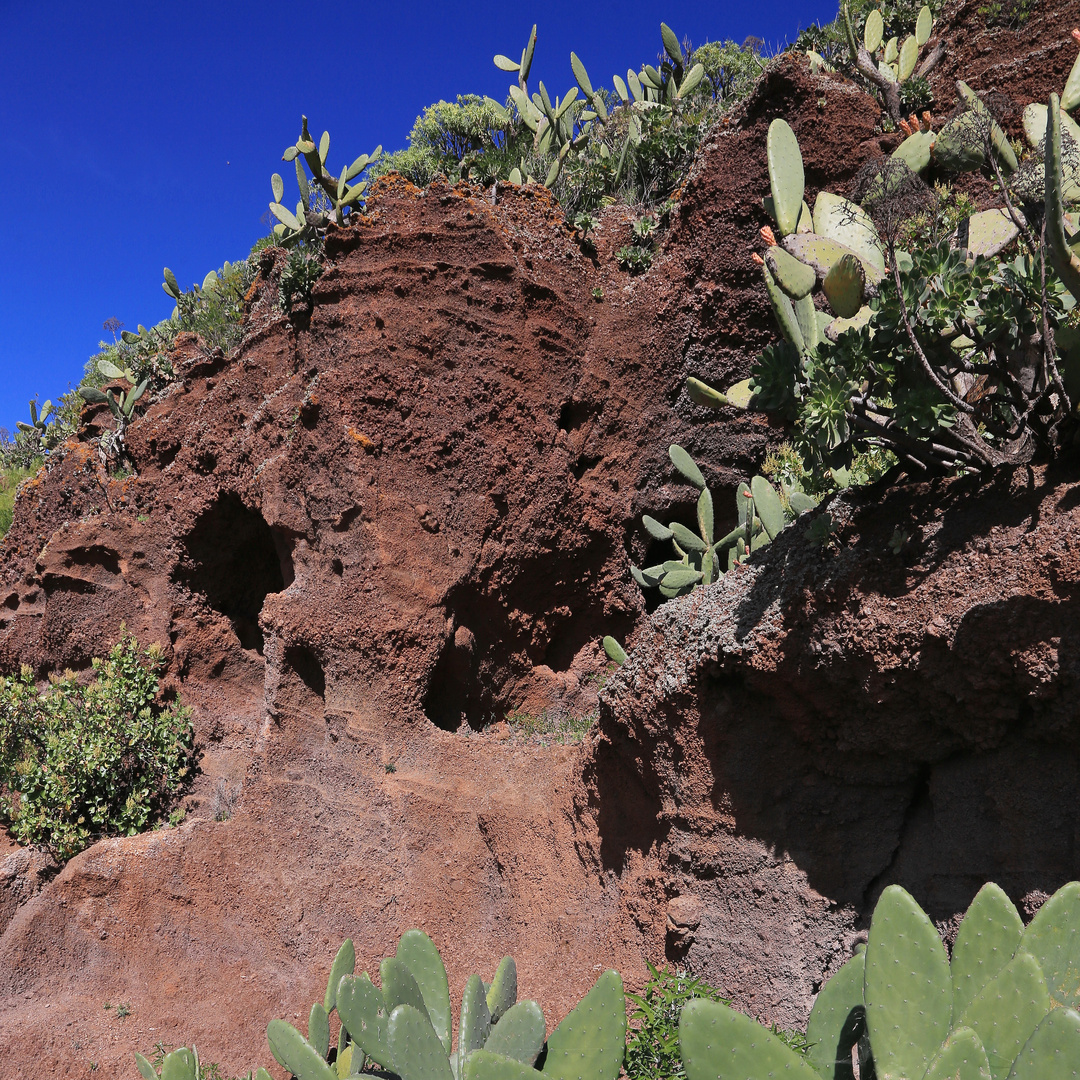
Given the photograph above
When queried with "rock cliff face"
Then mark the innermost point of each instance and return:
(380, 526)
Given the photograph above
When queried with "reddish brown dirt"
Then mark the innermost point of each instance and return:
(407, 511)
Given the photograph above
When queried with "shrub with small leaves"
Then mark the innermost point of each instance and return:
(302, 270)
(81, 761)
(652, 1038)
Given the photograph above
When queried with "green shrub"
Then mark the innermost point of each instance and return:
(10, 479)
(447, 133)
(652, 1039)
(78, 762)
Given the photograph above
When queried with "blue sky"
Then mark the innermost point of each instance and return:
(143, 135)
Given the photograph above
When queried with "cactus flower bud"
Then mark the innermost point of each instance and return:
(928, 119)
(757, 258)
(768, 236)
(1076, 36)
(905, 127)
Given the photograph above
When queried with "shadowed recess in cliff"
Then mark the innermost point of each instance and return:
(231, 559)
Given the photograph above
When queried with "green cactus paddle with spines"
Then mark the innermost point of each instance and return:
(907, 987)
(416, 1049)
(962, 1057)
(293, 1052)
(1053, 1051)
(1053, 938)
(417, 951)
(836, 1021)
(718, 1043)
(363, 1011)
(1007, 1010)
(989, 935)
(590, 1041)
(503, 991)
(786, 179)
(519, 1034)
(483, 1065)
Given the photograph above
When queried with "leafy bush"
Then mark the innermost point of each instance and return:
(472, 129)
(652, 1039)
(302, 269)
(10, 479)
(78, 762)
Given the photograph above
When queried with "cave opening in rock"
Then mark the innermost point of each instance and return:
(231, 558)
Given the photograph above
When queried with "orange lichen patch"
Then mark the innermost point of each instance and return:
(361, 438)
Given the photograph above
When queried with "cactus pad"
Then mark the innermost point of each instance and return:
(503, 990)
(1053, 1051)
(702, 394)
(795, 277)
(823, 254)
(1007, 1011)
(293, 1052)
(962, 1057)
(519, 1034)
(924, 26)
(344, 964)
(417, 1051)
(1070, 96)
(807, 317)
(840, 326)
(318, 1029)
(914, 151)
(590, 1041)
(845, 286)
(1053, 938)
(475, 1025)
(768, 507)
(483, 1065)
(181, 1064)
(784, 311)
(909, 54)
(838, 1017)
(847, 223)
(786, 180)
(399, 987)
(363, 1011)
(417, 951)
(907, 987)
(686, 466)
(998, 139)
(873, 31)
(718, 1043)
(989, 935)
(1066, 262)
(989, 232)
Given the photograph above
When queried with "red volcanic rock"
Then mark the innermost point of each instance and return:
(391, 519)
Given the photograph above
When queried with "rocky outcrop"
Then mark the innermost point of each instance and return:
(393, 518)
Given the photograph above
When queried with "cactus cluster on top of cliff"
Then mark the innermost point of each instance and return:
(590, 143)
(958, 355)
(701, 557)
(405, 1027)
(1004, 1008)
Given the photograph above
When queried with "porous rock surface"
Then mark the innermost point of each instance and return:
(388, 521)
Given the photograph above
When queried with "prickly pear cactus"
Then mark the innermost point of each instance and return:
(590, 1042)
